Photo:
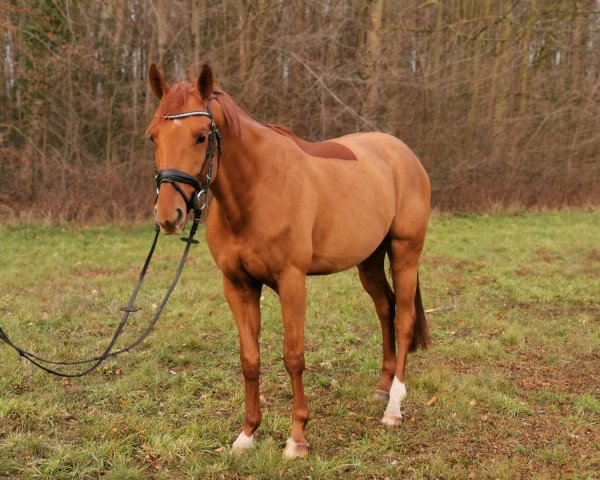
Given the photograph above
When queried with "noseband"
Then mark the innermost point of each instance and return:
(199, 198)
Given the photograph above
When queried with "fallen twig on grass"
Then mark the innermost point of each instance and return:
(445, 308)
(440, 309)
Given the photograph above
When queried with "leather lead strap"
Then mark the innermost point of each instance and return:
(168, 175)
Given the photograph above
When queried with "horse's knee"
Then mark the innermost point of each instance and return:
(294, 363)
(250, 368)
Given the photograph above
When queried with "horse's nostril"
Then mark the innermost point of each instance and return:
(179, 215)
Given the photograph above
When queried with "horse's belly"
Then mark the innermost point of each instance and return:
(330, 264)
(339, 247)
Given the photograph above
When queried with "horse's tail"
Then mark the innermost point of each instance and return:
(420, 331)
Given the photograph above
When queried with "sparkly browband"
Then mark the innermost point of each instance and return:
(197, 113)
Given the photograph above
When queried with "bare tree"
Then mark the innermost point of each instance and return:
(499, 98)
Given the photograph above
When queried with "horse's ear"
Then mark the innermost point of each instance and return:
(205, 82)
(157, 83)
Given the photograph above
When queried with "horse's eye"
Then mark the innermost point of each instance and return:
(201, 138)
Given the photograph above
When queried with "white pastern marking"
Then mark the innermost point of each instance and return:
(177, 121)
(397, 394)
(291, 449)
(243, 442)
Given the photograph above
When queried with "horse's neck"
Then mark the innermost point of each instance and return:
(241, 165)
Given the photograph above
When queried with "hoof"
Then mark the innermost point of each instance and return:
(295, 450)
(242, 443)
(391, 420)
(381, 395)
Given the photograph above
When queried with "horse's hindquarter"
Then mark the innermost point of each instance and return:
(358, 200)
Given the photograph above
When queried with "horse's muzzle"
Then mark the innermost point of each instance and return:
(173, 223)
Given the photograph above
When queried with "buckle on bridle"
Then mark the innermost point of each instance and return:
(199, 195)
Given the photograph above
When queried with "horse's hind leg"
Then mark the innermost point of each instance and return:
(409, 321)
(374, 281)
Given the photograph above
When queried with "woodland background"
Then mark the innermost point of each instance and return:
(499, 99)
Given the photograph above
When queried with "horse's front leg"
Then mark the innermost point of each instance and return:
(244, 301)
(292, 294)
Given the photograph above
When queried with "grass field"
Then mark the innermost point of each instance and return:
(509, 389)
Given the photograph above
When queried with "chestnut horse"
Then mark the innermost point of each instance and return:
(285, 208)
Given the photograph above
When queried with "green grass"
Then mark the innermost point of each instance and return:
(514, 365)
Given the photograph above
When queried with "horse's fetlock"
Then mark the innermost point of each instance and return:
(388, 367)
(302, 415)
(253, 421)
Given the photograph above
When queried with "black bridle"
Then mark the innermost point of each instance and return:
(175, 177)
(197, 203)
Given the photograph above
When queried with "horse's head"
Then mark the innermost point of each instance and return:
(180, 145)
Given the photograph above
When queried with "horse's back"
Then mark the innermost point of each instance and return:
(375, 146)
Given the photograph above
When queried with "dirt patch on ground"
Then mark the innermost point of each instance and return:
(543, 255)
(593, 255)
(95, 272)
(569, 377)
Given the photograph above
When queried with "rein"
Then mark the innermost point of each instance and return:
(198, 203)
